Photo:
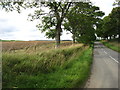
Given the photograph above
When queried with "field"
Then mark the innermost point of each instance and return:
(37, 64)
(31, 45)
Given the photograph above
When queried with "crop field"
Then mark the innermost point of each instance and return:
(16, 46)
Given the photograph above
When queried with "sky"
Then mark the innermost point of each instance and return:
(15, 26)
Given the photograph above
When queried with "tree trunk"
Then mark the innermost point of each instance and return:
(73, 38)
(114, 36)
(58, 32)
(110, 37)
(57, 38)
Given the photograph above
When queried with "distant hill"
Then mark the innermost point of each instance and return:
(41, 40)
(66, 40)
(30, 40)
(49, 40)
(9, 40)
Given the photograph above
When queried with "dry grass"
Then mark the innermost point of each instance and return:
(16, 45)
(42, 66)
(56, 68)
(32, 46)
(113, 44)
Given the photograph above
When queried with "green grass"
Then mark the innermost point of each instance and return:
(65, 68)
(114, 45)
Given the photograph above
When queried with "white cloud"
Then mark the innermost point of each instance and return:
(105, 5)
(15, 26)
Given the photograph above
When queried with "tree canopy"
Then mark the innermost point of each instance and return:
(80, 18)
(109, 27)
(81, 22)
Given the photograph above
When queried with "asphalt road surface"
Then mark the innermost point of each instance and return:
(104, 72)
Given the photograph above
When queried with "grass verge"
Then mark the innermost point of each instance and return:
(65, 68)
(114, 45)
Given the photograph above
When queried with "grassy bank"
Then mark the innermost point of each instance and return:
(62, 68)
(114, 45)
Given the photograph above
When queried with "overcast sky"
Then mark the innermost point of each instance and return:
(14, 26)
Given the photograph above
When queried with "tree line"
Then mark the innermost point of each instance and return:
(79, 18)
(109, 27)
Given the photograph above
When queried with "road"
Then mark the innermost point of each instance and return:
(104, 72)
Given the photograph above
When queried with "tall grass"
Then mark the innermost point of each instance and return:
(65, 68)
(114, 45)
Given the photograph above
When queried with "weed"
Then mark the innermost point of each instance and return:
(60, 68)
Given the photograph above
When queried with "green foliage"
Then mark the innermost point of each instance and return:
(51, 33)
(81, 21)
(86, 39)
(54, 69)
(110, 25)
(115, 19)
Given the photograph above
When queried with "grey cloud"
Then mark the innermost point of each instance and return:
(3, 20)
(8, 29)
(7, 36)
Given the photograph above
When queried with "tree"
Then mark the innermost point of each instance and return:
(58, 11)
(115, 19)
(117, 2)
(81, 21)
(110, 25)
(99, 30)
(53, 20)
